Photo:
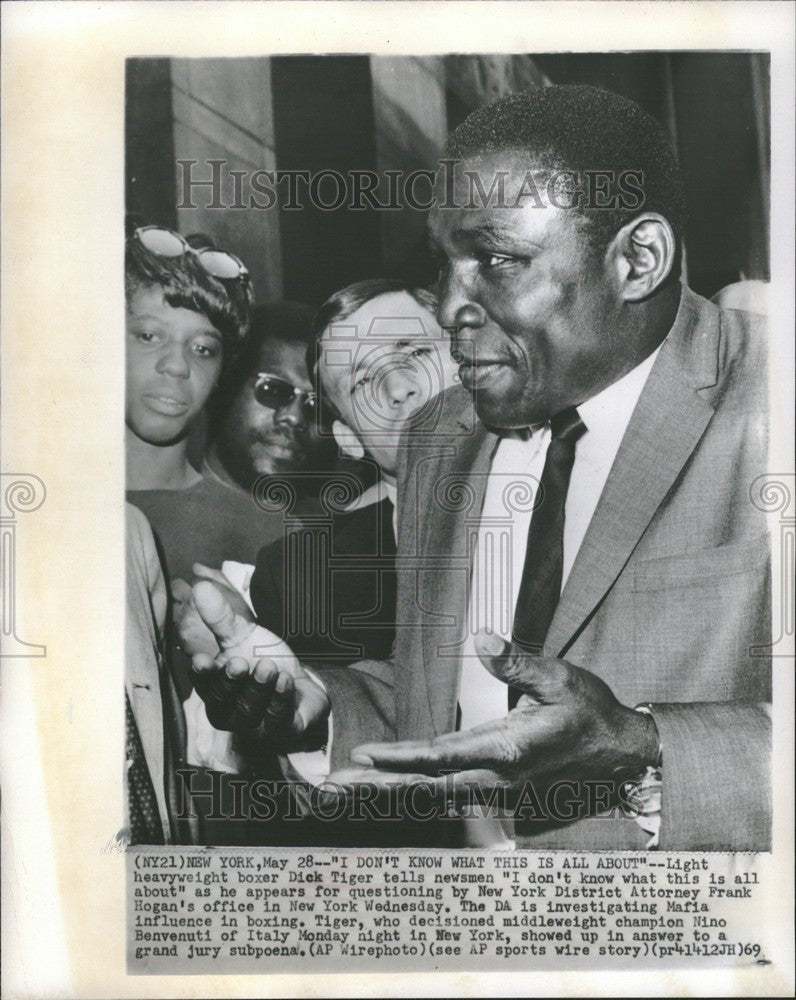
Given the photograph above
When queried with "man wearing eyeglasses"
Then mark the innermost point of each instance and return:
(263, 420)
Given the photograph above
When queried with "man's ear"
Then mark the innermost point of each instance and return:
(643, 252)
(347, 440)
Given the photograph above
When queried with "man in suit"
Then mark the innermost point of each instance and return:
(633, 629)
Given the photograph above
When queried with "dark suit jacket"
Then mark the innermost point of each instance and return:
(328, 587)
(668, 599)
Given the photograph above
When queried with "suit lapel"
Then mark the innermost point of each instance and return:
(665, 427)
(446, 589)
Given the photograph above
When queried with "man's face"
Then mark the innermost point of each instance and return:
(382, 365)
(531, 303)
(173, 362)
(260, 439)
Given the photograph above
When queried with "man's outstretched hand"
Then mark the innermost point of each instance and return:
(255, 685)
(568, 725)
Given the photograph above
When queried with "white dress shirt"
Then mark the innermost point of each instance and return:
(499, 550)
(499, 554)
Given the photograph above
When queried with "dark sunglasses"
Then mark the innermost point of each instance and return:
(276, 393)
(167, 243)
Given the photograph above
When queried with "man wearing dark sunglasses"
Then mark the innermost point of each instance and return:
(265, 418)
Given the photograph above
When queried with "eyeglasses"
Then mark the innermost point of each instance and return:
(275, 393)
(166, 243)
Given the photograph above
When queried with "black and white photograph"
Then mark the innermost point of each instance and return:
(368, 302)
(453, 557)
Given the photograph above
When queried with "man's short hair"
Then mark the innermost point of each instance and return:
(187, 285)
(581, 128)
(342, 304)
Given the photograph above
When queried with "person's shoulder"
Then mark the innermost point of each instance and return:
(728, 364)
(744, 344)
(210, 487)
(749, 295)
(212, 493)
(136, 524)
(444, 419)
(142, 556)
(365, 530)
(748, 329)
(730, 344)
(138, 534)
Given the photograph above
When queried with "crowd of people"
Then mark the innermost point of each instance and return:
(487, 545)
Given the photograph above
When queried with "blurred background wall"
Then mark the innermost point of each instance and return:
(383, 114)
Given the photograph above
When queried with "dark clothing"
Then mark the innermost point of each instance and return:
(206, 523)
(328, 588)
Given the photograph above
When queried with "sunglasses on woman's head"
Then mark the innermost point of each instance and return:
(166, 243)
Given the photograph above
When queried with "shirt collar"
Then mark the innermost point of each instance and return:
(613, 407)
(382, 490)
(605, 415)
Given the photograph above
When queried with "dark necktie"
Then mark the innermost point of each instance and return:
(145, 824)
(540, 587)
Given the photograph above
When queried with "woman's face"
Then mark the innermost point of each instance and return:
(173, 363)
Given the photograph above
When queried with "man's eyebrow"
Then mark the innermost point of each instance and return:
(491, 230)
(360, 364)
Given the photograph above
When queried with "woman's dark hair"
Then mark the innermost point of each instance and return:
(344, 303)
(186, 285)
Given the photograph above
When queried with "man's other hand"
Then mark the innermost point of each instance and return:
(567, 726)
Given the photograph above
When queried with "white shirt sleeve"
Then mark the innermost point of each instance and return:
(646, 798)
(314, 766)
(240, 576)
(207, 746)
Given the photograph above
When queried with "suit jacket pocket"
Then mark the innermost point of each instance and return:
(725, 561)
(702, 622)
